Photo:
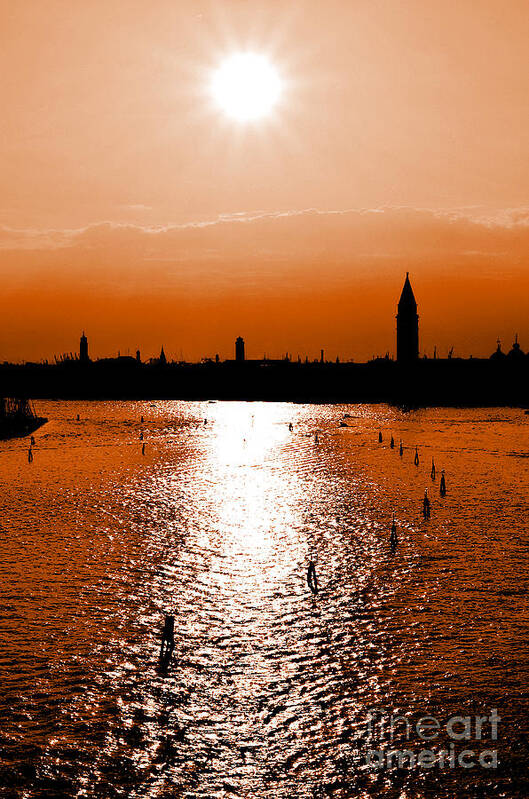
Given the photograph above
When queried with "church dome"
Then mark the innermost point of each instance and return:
(498, 355)
(516, 353)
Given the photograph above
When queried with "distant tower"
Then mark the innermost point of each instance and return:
(162, 360)
(239, 349)
(138, 356)
(83, 349)
(407, 325)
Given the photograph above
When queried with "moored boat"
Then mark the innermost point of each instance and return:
(18, 417)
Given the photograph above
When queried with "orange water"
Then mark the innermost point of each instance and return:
(269, 688)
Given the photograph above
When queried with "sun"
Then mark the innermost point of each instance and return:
(246, 86)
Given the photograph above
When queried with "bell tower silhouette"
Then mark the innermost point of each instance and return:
(83, 349)
(239, 349)
(407, 325)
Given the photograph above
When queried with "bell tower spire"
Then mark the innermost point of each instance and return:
(407, 325)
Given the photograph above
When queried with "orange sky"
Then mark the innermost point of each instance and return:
(405, 123)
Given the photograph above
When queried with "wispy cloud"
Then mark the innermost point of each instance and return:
(297, 234)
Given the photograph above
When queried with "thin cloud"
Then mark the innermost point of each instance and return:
(386, 230)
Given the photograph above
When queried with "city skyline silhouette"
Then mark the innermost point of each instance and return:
(405, 347)
(135, 207)
(410, 379)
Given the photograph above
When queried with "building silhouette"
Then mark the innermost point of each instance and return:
(239, 349)
(498, 355)
(516, 353)
(83, 349)
(407, 325)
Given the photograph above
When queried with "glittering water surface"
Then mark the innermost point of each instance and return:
(269, 688)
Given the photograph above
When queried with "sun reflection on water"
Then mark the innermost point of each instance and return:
(253, 494)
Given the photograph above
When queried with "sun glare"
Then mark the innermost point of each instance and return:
(246, 86)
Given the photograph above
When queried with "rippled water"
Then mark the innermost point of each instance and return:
(269, 688)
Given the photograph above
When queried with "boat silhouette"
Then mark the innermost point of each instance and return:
(18, 417)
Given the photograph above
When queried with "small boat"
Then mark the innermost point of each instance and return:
(18, 417)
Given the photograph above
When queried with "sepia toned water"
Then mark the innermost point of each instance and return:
(269, 689)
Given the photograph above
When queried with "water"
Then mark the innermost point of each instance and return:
(269, 689)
